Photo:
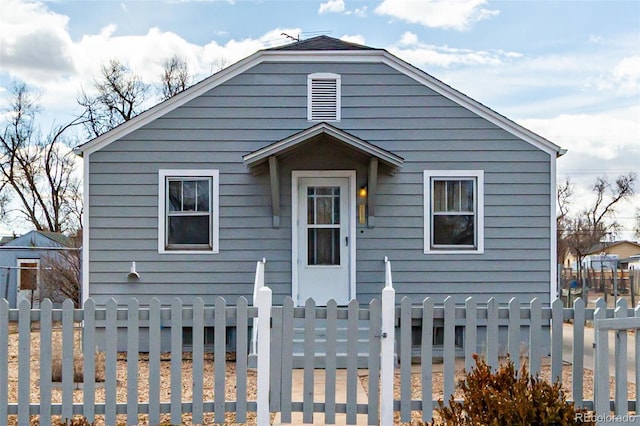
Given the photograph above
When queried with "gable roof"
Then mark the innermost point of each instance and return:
(29, 240)
(598, 248)
(323, 43)
(7, 238)
(317, 49)
(280, 147)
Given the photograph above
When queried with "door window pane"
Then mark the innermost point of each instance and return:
(324, 211)
(323, 205)
(323, 246)
(323, 221)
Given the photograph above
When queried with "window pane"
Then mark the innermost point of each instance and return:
(203, 195)
(311, 209)
(323, 246)
(323, 205)
(453, 196)
(189, 230)
(453, 230)
(188, 195)
(439, 196)
(28, 276)
(466, 189)
(175, 196)
(324, 210)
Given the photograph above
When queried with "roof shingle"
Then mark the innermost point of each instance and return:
(323, 43)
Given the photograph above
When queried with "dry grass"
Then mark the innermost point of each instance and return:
(78, 360)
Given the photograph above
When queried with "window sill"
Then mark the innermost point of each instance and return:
(452, 252)
(200, 252)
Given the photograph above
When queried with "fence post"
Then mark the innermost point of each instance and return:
(620, 394)
(636, 340)
(264, 352)
(257, 285)
(601, 370)
(387, 342)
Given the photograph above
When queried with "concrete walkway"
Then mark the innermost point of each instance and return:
(589, 356)
(318, 396)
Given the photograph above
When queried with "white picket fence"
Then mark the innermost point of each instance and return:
(390, 326)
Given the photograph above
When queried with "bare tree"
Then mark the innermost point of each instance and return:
(564, 192)
(61, 273)
(38, 179)
(582, 232)
(218, 64)
(120, 96)
(175, 77)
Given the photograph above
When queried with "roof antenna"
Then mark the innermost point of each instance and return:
(291, 37)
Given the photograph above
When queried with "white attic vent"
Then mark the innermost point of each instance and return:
(323, 97)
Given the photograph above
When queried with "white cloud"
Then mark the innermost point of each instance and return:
(60, 67)
(627, 75)
(358, 39)
(332, 6)
(408, 39)
(38, 51)
(426, 55)
(361, 12)
(448, 14)
(606, 136)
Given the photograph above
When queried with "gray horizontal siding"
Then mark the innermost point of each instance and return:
(267, 104)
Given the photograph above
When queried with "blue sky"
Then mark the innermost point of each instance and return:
(568, 70)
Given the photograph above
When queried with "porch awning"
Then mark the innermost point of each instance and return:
(254, 159)
(257, 161)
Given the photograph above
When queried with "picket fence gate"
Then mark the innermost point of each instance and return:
(390, 332)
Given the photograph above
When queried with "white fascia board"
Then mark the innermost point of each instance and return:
(85, 273)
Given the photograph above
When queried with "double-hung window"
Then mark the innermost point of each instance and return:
(454, 211)
(188, 211)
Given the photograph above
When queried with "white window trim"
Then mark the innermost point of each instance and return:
(323, 75)
(163, 174)
(478, 175)
(21, 262)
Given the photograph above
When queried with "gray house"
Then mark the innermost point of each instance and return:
(22, 262)
(323, 157)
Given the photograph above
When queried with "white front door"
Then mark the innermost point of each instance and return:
(324, 239)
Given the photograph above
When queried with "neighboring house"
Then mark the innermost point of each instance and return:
(323, 157)
(22, 260)
(622, 249)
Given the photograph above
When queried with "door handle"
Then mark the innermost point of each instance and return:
(346, 240)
